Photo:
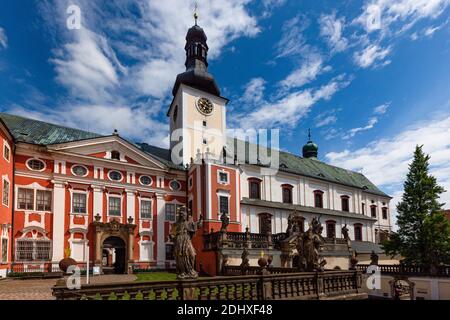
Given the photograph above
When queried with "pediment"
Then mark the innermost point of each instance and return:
(103, 147)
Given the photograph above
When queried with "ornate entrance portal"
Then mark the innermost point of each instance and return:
(114, 246)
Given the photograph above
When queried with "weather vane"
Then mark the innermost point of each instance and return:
(195, 12)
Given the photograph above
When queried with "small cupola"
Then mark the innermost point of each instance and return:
(310, 149)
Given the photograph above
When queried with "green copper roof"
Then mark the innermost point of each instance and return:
(314, 168)
(42, 133)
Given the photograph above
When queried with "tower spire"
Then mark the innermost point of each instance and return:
(195, 12)
(309, 134)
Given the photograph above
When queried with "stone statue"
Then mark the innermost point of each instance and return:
(309, 248)
(373, 258)
(225, 222)
(289, 228)
(182, 232)
(244, 257)
(344, 232)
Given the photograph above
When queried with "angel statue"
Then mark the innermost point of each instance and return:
(182, 232)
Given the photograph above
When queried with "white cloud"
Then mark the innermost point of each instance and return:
(326, 118)
(406, 11)
(381, 109)
(385, 162)
(331, 29)
(88, 67)
(254, 91)
(308, 72)
(292, 42)
(150, 36)
(289, 109)
(3, 38)
(370, 55)
(352, 132)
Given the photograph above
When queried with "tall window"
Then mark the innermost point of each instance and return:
(146, 209)
(5, 196)
(363, 208)
(223, 203)
(384, 213)
(4, 256)
(43, 200)
(114, 206)
(318, 199)
(79, 203)
(331, 229)
(33, 250)
(25, 199)
(254, 188)
(171, 211)
(169, 251)
(358, 231)
(345, 203)
(287, 193)
(373, 211)
(6, 152)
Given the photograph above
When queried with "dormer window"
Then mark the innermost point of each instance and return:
(115, 155)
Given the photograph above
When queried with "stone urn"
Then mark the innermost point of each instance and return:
(65, 263)
(262, 262)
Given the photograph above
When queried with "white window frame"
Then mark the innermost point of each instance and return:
(223, 194)
(175, 203)
(5, 178)
(17, 198)
(86, 193)
(121, 203)
(218, 177)
(4, 236)
(140, 208)
(35, 200)
(170, 185)
(6, 145)
(121, 176)
(79, 165)
(35, 158)
(145, 185)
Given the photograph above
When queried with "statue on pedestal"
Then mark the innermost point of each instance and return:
(182, 232)
(309, 247)
(373, 258)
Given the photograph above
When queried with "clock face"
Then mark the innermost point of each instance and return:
(205, 106)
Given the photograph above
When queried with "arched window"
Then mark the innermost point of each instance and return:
(287, 193)
(357, 227)
(345, 203)
(373, 211)
(254, 188)
(318, 199)
(115, 155)
(331, 228)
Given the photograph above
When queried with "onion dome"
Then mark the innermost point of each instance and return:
(310, 149)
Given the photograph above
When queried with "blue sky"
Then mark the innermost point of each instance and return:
(370, 78)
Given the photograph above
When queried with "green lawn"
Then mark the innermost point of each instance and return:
(156, 276)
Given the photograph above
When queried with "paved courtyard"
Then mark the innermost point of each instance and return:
(11, 289)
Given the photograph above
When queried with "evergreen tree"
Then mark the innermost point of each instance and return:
(423, 237)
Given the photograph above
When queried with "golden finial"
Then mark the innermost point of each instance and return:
(195, 12)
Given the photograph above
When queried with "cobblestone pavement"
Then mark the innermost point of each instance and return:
(11, 289)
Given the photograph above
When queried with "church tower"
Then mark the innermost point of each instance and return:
(197, 112)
